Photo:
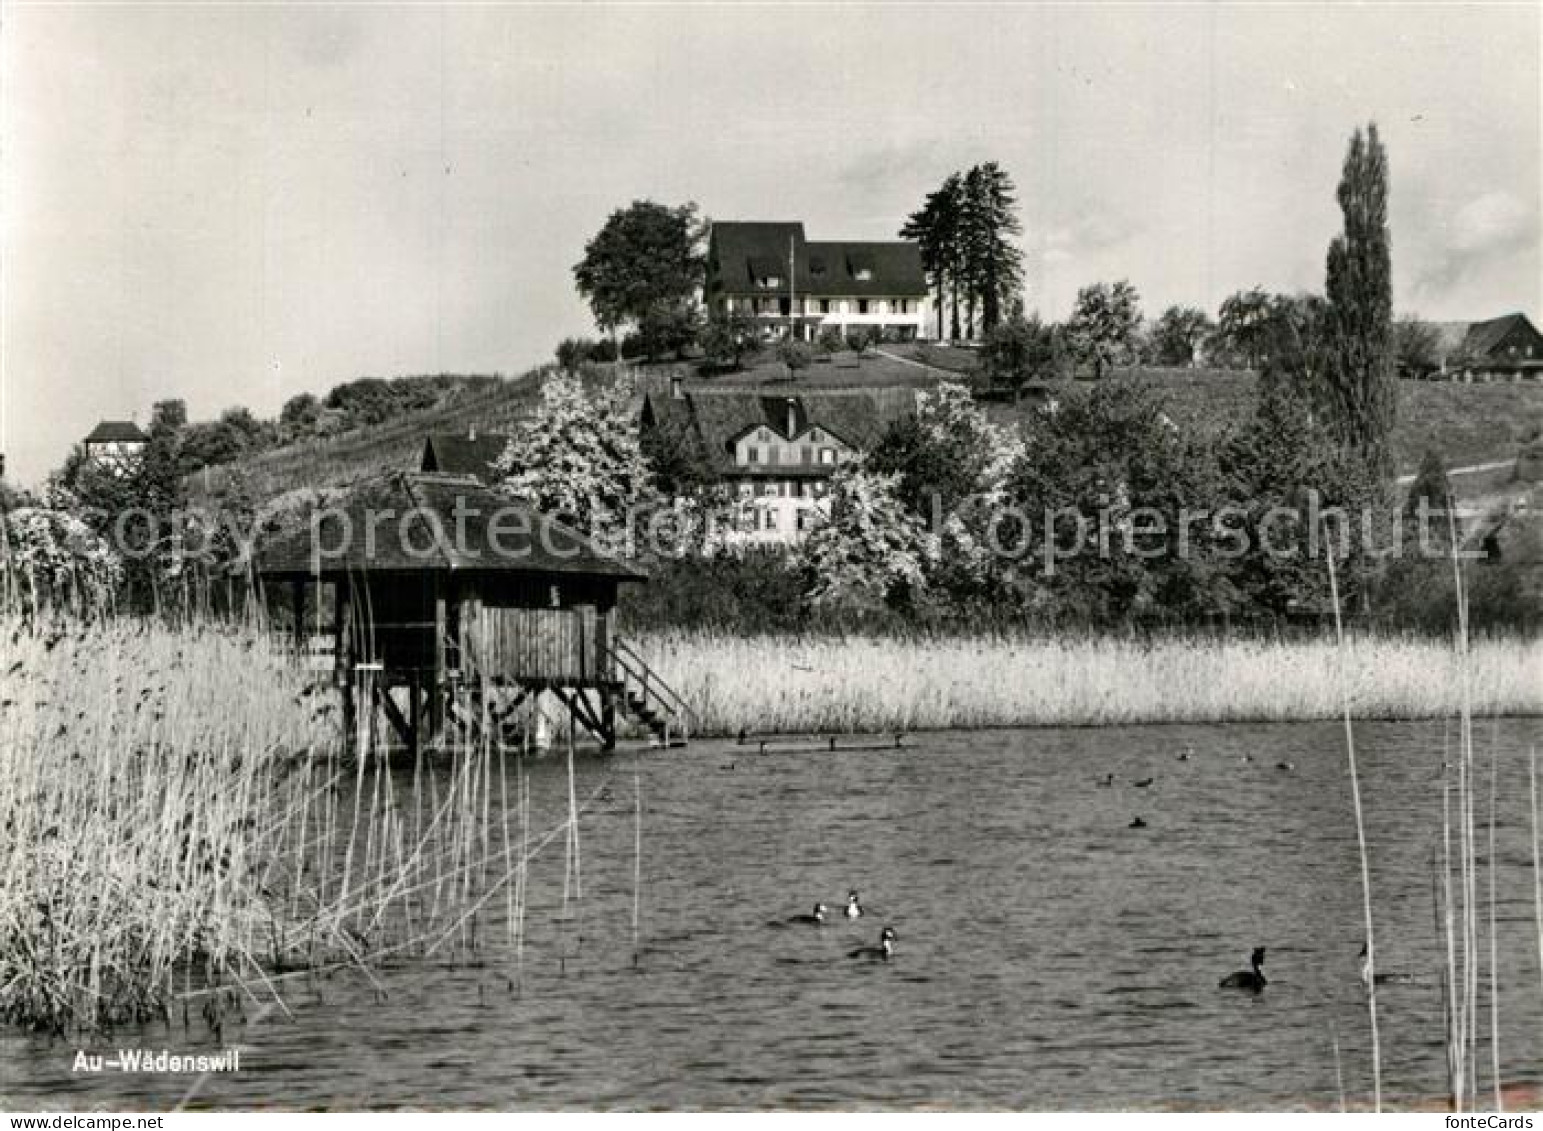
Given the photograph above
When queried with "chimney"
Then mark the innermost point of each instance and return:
(792, 417)
(471, 433)
(675, 392)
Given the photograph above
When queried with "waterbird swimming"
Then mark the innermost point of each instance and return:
(1137, 823)
(854, 909)
(1106, 780)
(1287, 766)
(815, 918)
(1247, 979)
(1143, 783)
(880, 953)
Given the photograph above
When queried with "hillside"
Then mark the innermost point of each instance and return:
(394, 444)
(1467, 424)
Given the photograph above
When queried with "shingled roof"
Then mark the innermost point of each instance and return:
(740, 253)
(117, 432)
(462, 454)
(717, 417)
(1484, 338)
(415, 519)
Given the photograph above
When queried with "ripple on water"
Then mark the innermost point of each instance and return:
(1047, 955)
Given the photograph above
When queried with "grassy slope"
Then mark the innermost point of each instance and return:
(396, 444)
(1467, 424)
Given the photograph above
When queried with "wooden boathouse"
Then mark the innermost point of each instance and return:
(437, 592)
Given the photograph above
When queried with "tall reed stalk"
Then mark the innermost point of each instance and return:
(177, 813)
(1360, 837)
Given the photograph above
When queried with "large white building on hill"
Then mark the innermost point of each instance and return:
(789, 284)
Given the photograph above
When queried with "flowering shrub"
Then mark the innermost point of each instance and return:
(578, 456)
(52, 556)
(871, 553)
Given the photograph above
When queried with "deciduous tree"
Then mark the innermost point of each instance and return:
(1360, 387)
(1178, 335)
(1102, 328)
(644, 266)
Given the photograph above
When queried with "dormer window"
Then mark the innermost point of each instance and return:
(766, 273)
(863, 275)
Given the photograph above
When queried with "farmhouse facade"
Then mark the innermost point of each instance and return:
(777, 452)
(793, 286)
(1508, 348)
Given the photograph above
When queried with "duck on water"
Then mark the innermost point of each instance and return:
(1248, 979)
(880, 953)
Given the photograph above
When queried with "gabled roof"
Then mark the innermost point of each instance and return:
(1483, 338)
(718, 417)
(461, 454)
(742, 253)
(117, 432)
(416, 525)
(895, 268)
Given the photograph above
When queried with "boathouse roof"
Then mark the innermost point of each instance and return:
(417, 522)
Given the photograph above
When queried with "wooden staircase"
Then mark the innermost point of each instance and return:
(648, 699)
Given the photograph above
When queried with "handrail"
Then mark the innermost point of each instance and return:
(653, 687)
(623, 652)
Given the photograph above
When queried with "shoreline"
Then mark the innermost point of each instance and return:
(874, 685)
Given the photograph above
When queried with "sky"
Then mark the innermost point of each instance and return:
(235, 203)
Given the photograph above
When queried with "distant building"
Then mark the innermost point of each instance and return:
(1508, 348)
(464, 453)
(791, 285)
(116, 444)
(778, 452)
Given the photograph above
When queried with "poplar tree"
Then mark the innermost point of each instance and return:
(1359, 387)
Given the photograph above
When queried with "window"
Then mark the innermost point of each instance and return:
(828, 456)
(770, 282)
(900, 305)
(863, 274)
(825, 306)
(771, 518)
(862, 306)
(752, 454)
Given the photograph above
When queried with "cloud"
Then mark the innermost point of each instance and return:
(921, 162)
(1097, 229)
(1486, 230)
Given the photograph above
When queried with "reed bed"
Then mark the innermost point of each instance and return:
(180, 818)
(872, 684)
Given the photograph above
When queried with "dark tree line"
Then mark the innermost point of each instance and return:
(965, 231)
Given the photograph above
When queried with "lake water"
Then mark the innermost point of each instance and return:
(1049, 956)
